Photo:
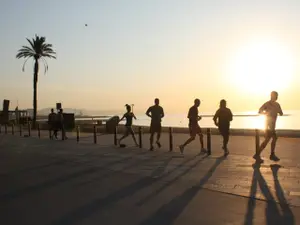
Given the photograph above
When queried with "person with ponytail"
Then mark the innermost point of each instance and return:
(129, 115)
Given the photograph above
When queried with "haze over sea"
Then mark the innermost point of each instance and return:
(290, 120)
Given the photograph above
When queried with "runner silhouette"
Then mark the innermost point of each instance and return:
(222, 119)
(194, 126)
(156, 112)
(271, 109)
(128, 125)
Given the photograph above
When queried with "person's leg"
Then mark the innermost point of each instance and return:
(125, 135)
(133, 136)
(199, 132)
(192, 138)
(151, 137)
(273, 146)
(262, 147)
(158, 130)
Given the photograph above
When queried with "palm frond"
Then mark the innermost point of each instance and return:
(23, 68)
(45, 65)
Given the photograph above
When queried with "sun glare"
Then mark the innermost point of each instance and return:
(262, 66)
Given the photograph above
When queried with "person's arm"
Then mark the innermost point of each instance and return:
(133, 116)
(162, 113)
(216, 118)
(189, 114)
(262, 109)
(121, 118)
(230, 115)
(280, 110)
(148, 112)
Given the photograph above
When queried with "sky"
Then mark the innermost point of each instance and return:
(133, 51)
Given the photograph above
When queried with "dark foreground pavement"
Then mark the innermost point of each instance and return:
(63, 183)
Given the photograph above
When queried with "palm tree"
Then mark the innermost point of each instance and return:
(38, 51)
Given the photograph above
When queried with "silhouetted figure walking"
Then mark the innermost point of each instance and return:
(156, 112)
(194, 126)
(271, 109)
(128, 125)
(52, 124)
(222, 119)
(61, 124)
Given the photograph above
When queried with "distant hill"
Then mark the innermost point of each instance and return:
(83, 112)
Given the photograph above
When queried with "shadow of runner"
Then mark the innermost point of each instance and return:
(273, 215)
(169, 212)
(38, 187)
(288, 216)
(252, 200)
(136, 163)
(99, 204)
(156, 192)
(161, 168)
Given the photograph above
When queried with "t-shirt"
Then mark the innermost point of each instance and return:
(224, 116)
(271, 110)
(157, 112)
(193, 115)
(128, 117)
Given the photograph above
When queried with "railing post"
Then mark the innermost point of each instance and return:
(170, 139)
(140, 137)
(115, 136)
(77, 133)
(208, 141)
(29, 129)
(257, 142)
(13, 129)
(39, 130)
(5, 128)
(95, 135)
(21, 129)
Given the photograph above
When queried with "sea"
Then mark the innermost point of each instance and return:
(242, 120)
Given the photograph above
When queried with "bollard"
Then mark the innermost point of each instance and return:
(5, 128)
(13, 129)
(95, 135)
(170, 139)
(208, 141)
(77, 133)
(115, 136)
(39, 130)
(29, 129)
(256, 140)
(21, 129)
(140, 137)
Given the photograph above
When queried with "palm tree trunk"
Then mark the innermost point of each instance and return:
(35, 80)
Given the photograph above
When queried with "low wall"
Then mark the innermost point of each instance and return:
(214, 131)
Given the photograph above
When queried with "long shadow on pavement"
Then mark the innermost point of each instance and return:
(99, 204)
(163, 187)
(273, 215)
(169, 212)
(38, 187)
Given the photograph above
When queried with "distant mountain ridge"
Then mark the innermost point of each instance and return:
(82, 112)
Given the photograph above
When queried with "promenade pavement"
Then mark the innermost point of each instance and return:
(64, 182)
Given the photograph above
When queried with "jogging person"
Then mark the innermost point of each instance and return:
(128, 125)
(194, 126)
(156, 112)
(222, 119)
(271, 109)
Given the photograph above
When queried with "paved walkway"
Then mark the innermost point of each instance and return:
(64, 182)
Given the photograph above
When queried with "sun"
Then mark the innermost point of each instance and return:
(262, 66)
